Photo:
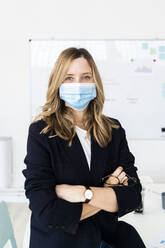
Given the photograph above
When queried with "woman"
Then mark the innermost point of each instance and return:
(80, 174)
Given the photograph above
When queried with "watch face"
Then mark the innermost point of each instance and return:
(88, 194)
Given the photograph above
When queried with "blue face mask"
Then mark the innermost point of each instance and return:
(77, 95)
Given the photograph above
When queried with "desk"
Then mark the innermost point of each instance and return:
(152, 221)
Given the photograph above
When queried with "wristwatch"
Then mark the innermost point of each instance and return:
(88, 194)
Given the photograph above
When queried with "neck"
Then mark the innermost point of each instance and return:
(79, 116)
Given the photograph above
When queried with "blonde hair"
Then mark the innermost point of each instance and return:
(59, 117)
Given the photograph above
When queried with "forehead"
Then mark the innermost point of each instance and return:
(79, 66)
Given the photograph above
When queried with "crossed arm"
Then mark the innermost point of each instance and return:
(103, 197)
(50, 208)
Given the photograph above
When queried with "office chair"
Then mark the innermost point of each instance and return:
(6, 229)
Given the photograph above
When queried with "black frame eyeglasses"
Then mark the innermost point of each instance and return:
(131, 181)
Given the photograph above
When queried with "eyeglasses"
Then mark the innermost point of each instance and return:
(131, 181)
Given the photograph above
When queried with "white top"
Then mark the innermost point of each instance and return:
(85, 142)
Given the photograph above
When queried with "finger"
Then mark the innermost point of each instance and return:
(112, 180)
(117, 171)
(125, 180)
(121, 176)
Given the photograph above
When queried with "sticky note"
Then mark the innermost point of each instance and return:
(163, 89)
(145, 46)
(152, 50)
(162, 56)
(162, 49)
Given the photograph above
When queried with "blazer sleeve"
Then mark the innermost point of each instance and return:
(49, 211)
(128, 197)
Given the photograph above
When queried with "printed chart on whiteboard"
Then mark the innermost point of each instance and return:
(133, 77)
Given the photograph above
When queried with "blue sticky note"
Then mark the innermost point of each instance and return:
(145, 46)
(163, 90)
(162, 56)
(162, 242)
(162, 49)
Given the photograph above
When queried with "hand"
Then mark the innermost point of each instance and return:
(71, 193)
(121, 177)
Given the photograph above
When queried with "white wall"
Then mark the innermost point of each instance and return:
(22, 20)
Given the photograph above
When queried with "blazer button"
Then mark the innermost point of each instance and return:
(50, 226)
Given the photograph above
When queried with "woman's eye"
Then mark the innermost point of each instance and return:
(68, 78)
(87, 77)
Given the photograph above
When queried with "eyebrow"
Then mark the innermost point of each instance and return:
(81, 73)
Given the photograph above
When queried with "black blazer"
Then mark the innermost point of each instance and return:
(55, 222)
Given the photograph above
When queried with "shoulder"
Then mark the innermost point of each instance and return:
(120, 132)
(36, 127)
(34, 135)
(115, 121)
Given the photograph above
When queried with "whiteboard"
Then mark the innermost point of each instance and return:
(133, 76)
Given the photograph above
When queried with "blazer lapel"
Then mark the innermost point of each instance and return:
(98, 161)
(99, 157)
(78, 156)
